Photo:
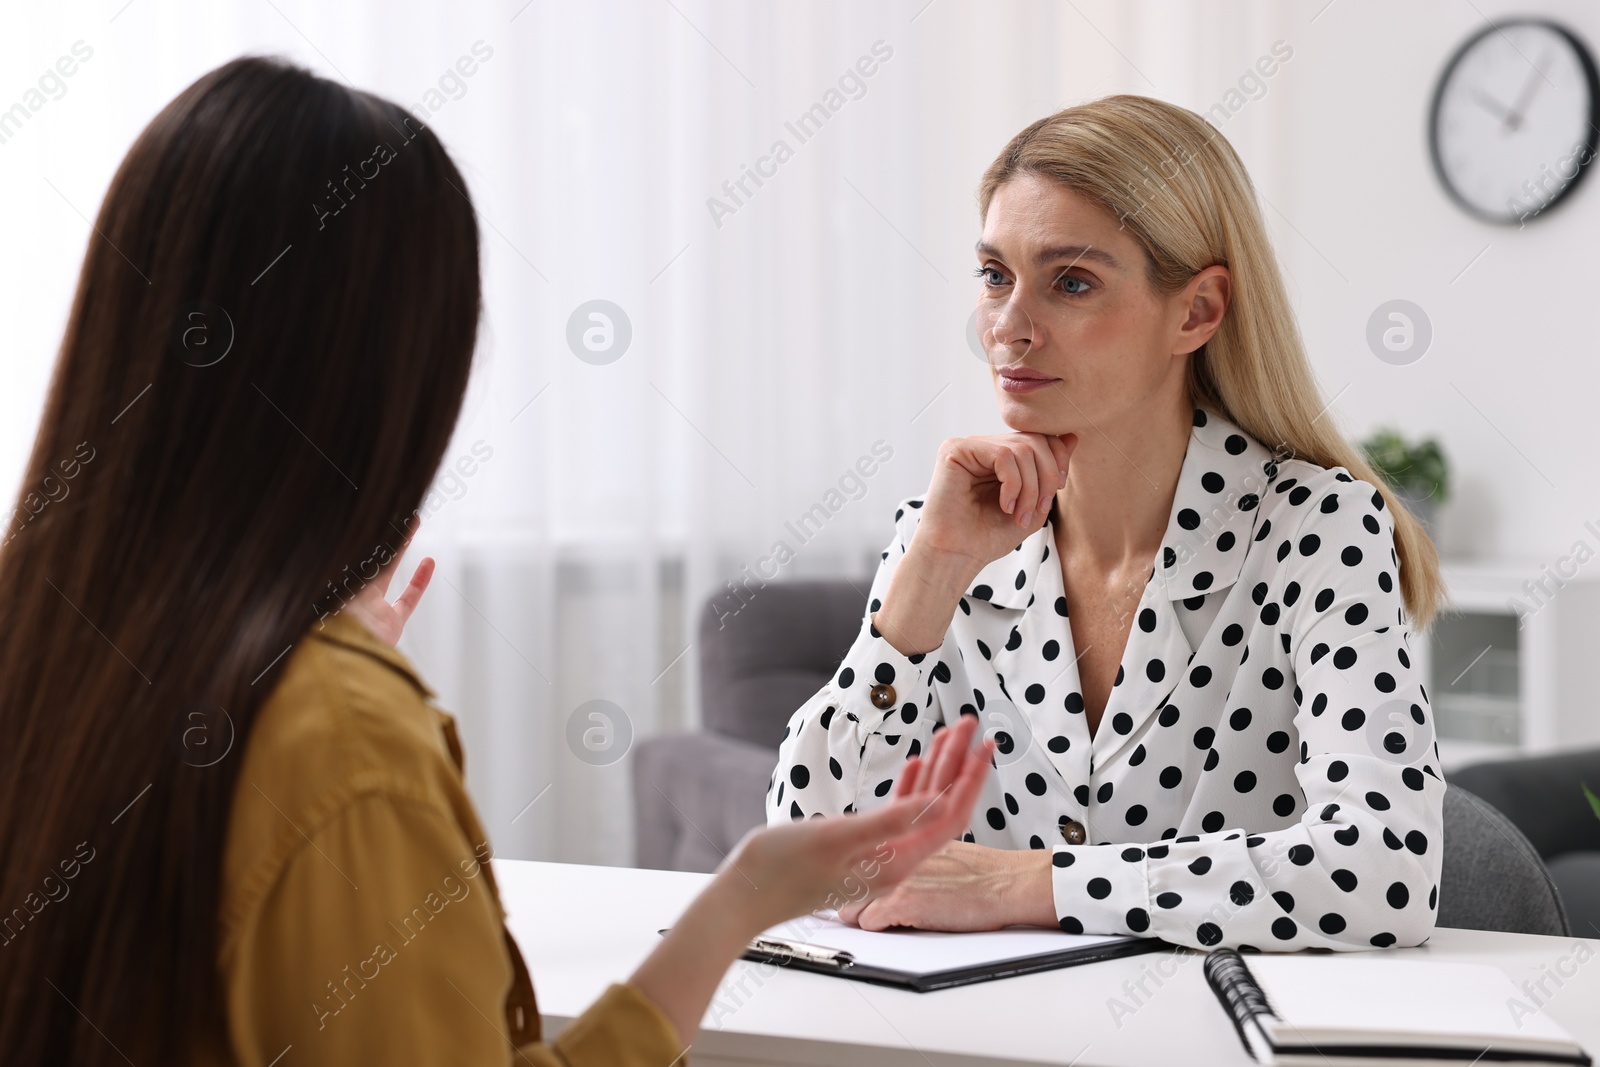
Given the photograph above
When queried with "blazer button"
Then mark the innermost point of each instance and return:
(883, 696)
(1072, 831)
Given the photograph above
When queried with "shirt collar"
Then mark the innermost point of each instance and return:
(345, 630)
(1008, 581)
(1214, 510)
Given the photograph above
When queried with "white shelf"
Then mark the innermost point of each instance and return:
(1510, 665)
(1479, 717)
(1455, 754)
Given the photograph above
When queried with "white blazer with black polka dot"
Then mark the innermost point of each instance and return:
(1264, 774)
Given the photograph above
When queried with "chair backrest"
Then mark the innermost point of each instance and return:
(1543, 795)
(764, 655)
(1493, 879)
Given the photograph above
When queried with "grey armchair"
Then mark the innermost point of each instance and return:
(696, 794)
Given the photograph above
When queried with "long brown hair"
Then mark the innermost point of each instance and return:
(262, 369)
(1181, 190)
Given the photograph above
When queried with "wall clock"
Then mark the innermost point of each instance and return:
(1513, 125)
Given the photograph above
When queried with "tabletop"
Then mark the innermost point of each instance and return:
(583, 927)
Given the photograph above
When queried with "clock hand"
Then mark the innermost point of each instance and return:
(1490, 103)
(1514, 118)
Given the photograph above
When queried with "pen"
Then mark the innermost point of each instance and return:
(771, 946)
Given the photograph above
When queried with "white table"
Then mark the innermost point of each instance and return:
(582, 927)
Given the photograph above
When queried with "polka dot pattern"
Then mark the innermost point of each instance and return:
(1250, 766)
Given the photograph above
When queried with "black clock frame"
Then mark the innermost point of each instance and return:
(1591, 140)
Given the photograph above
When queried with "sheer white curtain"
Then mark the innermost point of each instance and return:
(792, 309)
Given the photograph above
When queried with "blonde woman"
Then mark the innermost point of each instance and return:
(1179, 601)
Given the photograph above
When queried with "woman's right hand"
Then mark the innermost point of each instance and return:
(782, 872)
(790, 869)
(987, 494)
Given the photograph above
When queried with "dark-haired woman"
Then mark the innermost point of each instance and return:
(233, 828)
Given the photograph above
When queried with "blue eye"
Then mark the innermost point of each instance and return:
(990, 276)
(1070, 280)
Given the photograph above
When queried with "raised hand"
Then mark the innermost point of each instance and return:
(371, 605)
(987, 494)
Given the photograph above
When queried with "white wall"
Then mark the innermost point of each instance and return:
(1337, 147)
(1510, 382)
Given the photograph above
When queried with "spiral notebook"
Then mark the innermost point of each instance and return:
(925, 960)
(1313, 1011)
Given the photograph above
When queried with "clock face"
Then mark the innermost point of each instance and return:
(1514, 120)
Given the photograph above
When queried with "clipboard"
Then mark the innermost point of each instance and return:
(923, 960)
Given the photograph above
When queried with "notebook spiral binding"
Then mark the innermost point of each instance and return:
(1234, 985)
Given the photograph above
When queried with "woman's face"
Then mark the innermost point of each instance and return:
(1075, 335)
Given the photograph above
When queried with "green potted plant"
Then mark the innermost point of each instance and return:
(1418, 473)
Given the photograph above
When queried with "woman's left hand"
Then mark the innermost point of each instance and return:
(371, 605)
(964, 887)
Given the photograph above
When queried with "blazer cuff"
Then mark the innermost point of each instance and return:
(1101, 889)
(875, 673)
(623, 1028)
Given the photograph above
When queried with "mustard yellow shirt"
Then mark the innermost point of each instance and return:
(359, 918)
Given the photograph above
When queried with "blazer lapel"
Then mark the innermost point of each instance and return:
(1153, 661)
(1214, 512)
(1213, 518)
(1039, 666)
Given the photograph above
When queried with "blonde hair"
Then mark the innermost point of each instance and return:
(1177, 185)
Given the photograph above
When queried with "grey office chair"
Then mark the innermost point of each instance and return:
(696, 794)
(1493, 879)
(1543, 796)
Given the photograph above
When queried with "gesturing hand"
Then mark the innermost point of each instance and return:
(786, 871)
(795, 868)
(372, 607)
